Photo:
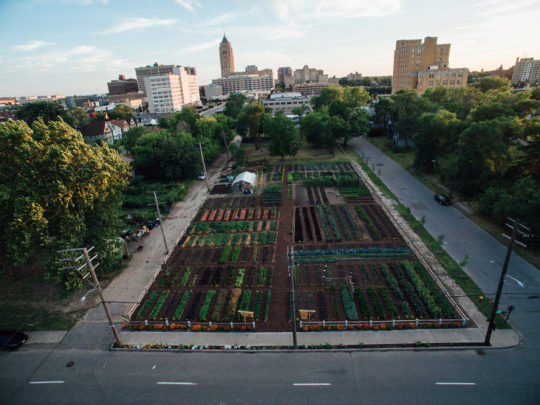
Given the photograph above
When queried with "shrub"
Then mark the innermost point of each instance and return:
(240, 277)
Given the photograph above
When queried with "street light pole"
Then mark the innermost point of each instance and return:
(290, 261)
(204, 167)
(161, 224)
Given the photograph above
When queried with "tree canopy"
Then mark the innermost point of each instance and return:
(59, 192)
(46, 110)
(282, 135)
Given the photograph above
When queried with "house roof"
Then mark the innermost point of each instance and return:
(94, 128)
(246, 177)
(120, 123)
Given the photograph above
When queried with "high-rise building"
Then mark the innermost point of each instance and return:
(309, 75)
(170, 92)
(155, 70)
(414, 60)
(285, 75)
(226, 57)
(122, 86)
(527, 70)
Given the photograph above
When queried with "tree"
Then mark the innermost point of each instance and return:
(78, 116)
(166, 156)
(46, 110)
(320, 130)
(407, 107)
(300, 111)
(63, 185)
(282, 135)
(121, 111)
(179, 121)
(130, 137)
(437, 133)
(234, 104)
(384, 115)
(486, 84)
(250, 118)
(356, 97)
(325, 97)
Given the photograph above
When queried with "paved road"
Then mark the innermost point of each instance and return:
(462, 237)
(437, 377)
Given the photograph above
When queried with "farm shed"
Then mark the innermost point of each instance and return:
(244, 181)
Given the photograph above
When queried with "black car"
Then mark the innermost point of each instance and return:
(442, 199)
(11, 339)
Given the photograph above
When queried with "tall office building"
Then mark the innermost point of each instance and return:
(285, 75)
(527, 70)
(226, 57)
(310, 75)
(155, 70)
(170, 92)
(420, 66)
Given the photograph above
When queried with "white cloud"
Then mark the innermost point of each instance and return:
(329, 9)
(32, 45)
(188, 4)
(90, 2)
(200, 47)
(138, 24)
(222, 19)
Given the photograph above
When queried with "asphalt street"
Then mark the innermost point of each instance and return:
(426, 377)
(464, 238)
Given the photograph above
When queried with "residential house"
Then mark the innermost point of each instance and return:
(104, 131)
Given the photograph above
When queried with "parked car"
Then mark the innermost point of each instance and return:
(202, 176)
(442, 199)
(11, 339)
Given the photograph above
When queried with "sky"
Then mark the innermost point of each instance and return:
(76, 46)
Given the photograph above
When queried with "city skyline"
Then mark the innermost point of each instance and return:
(77, 46)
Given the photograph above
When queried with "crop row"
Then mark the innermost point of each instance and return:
(220, 239)
(370, 227)
(238, 214)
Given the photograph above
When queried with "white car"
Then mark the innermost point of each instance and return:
(202, 176)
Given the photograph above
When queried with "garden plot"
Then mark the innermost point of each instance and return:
(352, 268)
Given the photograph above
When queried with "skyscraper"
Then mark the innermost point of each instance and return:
(226, 57)
(527, 70)
(420, 66)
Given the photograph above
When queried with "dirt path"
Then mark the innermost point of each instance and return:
(279, 306)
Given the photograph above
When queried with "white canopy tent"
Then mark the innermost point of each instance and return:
(245, 180)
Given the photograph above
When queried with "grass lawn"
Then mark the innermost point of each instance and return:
(306, 154)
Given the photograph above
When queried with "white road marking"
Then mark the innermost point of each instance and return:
(310, 384)
(455, 383)
(46, 382)
(175, 383)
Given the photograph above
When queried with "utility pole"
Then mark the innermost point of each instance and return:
(226, 146)
(161, 224)
(95, 284)
(204, 167)
(290, 261)
(514, 226)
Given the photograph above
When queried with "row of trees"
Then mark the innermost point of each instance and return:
(76, 117)
(337, 116)
(172, 152)
(483, 141)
